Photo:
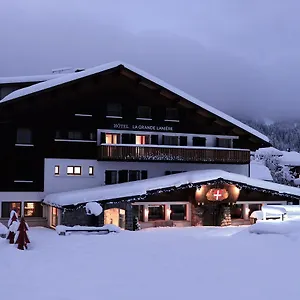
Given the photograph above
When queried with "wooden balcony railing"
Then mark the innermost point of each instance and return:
(172, 153)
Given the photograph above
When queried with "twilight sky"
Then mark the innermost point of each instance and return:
(242, 57)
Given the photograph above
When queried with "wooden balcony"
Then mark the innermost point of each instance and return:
(164, 153)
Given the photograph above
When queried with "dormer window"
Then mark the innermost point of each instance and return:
(144, 112)
(114, 110)
(172, 114)
(24, 136)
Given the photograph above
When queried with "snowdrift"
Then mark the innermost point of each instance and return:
(3, 230)
(276, 227)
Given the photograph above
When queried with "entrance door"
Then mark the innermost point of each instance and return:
(212, 214)
(115, 216)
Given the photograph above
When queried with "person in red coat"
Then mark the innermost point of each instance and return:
(22, 239)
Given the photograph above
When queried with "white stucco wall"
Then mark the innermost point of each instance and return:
(65, 182)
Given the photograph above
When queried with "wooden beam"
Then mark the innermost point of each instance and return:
(149, 85)
(128, 74)
(168, 94)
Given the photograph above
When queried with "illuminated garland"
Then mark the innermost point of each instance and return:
(183, 187)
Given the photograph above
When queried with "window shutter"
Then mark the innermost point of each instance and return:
(108, 177)
(123, 176)
(218, 142)
(235, 143)
(132, 138)
(154, 139)
(199, 141)
(102, 138)
(183, 141)
(125, 138)
(144, 174)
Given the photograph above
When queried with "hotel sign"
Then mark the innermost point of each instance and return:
(142, 127)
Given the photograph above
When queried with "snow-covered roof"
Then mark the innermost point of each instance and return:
(290, 158)
(268, 151)
(25, 79)
(143, 187)
(75, 76)
(259, 171)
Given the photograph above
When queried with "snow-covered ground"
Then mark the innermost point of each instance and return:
(171, 263)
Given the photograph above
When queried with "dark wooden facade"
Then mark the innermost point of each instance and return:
(53, 110)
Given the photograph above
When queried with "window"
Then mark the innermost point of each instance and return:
(56, 170)
(24, 136)
(54, 216)
(236, 211)
(199, 141)
(114, 110)
(170, 140)
(75, 135)
(156, 212)
(112, 138)
(138, 212)
(171, 114)
(91, 170)
(144, 112)
(111, 177)
(134, 175)
(73, 170)
(7, 207)
(142, 139)
(33, 209)
(178, 212)
(224, 143)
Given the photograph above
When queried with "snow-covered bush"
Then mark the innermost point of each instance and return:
(3, 230)
(93, 208)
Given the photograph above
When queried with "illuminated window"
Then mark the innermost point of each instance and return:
(112, 138)
(156, 212)
(73, 170)
(54, 216)
(142, 139)
(33, 209)
(56, 170)
(7, 207)
(91, 170)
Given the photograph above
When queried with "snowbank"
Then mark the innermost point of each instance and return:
(272, 209)
(94, 208)
(259, 171)
(3, 229)
(60, 229)
(275, 227)
(291, 158)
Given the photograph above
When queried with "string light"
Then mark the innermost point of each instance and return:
(131, 199)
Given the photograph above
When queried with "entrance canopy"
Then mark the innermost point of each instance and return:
(140, 190)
